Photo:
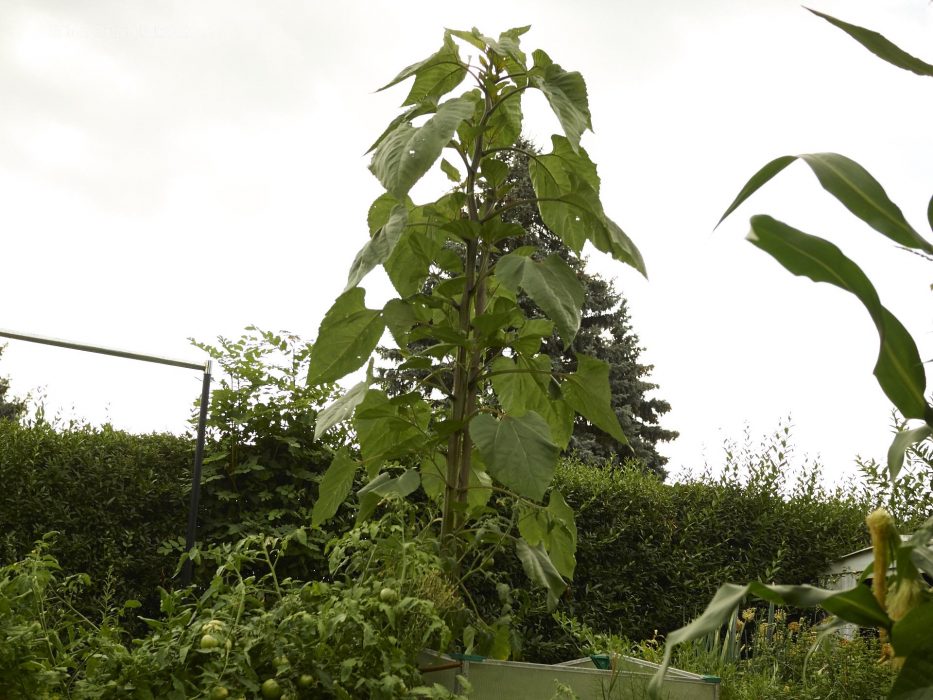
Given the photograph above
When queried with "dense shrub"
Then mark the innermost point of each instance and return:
(262, 463)
(650, 555)
(112, 497)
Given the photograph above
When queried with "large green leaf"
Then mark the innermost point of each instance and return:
(334, 488)
(915, 679)
(378, 248)
(521, 385)
(390, 428)
(567, 186)
(341, 409)
(552, 285)
(401, 315)
(347, 337)
(384, 485)
(435, 76)
(410, 262)
(551, 528)
(518, 451)
(856, 605)
(566, 93)
(853, 186)
(912, 632)
(428, 106)
(899, 369)
(473, 37)
(408, 152)
(562, 536)
(903, 441)
(541, 570)
(588, 393)
(504, 125)
(716, 614)
(880, 46)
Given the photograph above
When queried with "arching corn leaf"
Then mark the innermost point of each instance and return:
(899, 369)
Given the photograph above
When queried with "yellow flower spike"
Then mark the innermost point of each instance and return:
(882, 530)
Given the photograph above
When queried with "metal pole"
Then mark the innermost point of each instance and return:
(202, 418)
(71, 345)
(191, 536)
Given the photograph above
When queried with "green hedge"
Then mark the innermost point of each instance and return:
(112, 496)
(651, 555)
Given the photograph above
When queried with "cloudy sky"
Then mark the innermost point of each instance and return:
(174, 169)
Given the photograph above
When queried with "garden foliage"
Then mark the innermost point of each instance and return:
(113, 498)
(253, 634)
(900, 604)
(649, 554)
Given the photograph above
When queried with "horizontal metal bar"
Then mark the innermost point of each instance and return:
(202, 366)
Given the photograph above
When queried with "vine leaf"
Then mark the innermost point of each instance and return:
(518, 451)
(335, 487)
(552, 285)
(588, 393)
(346, 338)
(880, 46)
(408, 152)
(898, 369)
(853, 186)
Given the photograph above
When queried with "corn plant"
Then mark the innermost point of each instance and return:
(899, 605)
(490, 415)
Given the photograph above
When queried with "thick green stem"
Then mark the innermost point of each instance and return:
(466, 368)
(456, 442)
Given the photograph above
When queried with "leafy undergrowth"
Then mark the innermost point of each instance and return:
(768, 656)
(247, 634)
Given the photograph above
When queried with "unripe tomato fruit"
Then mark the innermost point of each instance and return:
(271, 689)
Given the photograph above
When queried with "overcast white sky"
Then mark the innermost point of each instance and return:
(176, 169)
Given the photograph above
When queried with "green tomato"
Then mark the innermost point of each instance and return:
(305, 680)
(388, 595)
(220, 693)
(271, 689)
(209, 642)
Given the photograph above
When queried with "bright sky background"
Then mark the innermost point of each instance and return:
(179, 169)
